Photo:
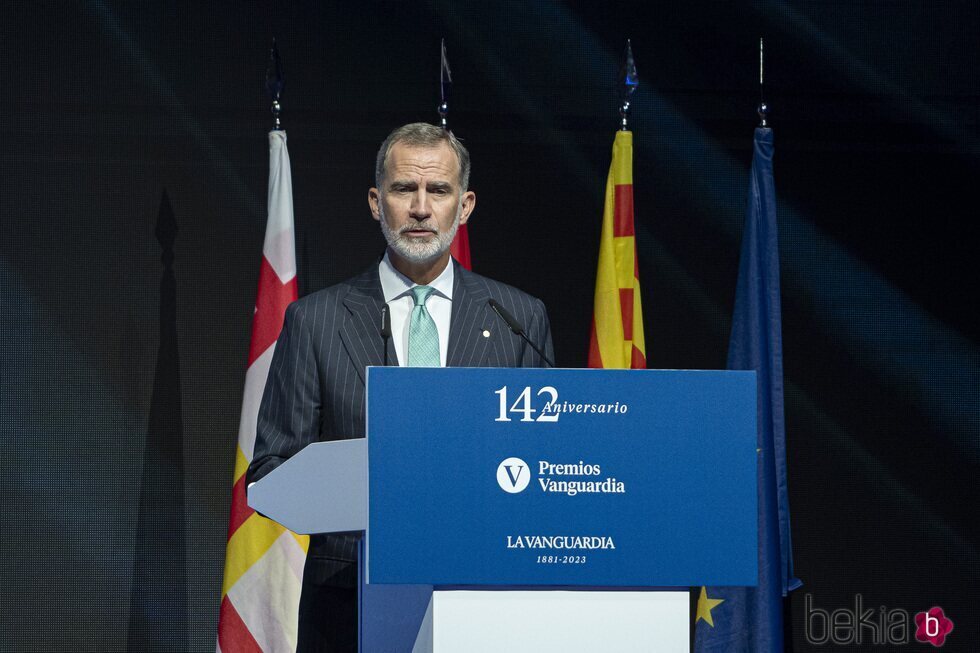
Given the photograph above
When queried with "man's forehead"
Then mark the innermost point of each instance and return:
(412, 160)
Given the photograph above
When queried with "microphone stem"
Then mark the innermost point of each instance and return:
(535, 347)
(517, 328)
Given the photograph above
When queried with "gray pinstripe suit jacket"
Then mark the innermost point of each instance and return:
(315, 390)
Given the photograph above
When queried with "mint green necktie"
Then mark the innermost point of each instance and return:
(423, 336)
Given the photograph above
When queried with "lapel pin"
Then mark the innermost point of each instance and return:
(486, 333)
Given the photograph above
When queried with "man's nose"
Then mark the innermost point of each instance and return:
(420, 208)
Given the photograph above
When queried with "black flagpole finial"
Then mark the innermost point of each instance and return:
(445, 86)
(763, 109)
(628, 81)
(274, 82)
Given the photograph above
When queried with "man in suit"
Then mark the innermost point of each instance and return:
(440, 316)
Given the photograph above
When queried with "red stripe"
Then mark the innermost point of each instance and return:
(623, 211)
(233, 634)
(460, 249)
(240, 510)
(595, 359)
(626, 308)
(271, 300)
(638, 360)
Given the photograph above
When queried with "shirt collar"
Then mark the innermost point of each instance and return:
(394, 284)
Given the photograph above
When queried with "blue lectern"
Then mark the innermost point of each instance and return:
(542, 505)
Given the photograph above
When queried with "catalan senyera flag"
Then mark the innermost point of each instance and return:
(264, 561)
(617, 321)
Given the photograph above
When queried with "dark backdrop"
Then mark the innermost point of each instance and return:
(122, 373)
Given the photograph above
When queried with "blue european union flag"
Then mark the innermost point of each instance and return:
(736, 619)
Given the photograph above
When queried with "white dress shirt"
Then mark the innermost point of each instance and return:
(397, 289)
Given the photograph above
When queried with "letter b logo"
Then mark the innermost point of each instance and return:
(513, 475)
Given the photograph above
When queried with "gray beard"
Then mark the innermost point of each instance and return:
(413, 249)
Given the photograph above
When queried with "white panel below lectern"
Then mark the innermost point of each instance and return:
(555, 622)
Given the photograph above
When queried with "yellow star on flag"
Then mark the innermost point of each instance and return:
(705, 605)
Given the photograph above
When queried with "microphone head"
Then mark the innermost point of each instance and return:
(385, 322)
(514, 325)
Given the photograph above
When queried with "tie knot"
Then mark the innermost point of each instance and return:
(421, 294)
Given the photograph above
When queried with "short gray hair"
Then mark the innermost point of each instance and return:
(422, 134)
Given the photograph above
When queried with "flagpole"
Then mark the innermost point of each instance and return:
(274, 82)
(445, 85)
(763, 109)
(628, 81)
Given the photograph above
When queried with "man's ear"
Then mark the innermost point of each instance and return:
(467, 205)
(374, 199)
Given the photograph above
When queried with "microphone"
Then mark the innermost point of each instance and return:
(385, 330)
(516, 327)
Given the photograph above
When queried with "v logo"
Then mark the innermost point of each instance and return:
(511, 477)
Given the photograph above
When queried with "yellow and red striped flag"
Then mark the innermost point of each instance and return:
(617, 321)
(264, 561)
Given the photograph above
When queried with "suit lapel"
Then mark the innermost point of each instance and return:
(361, 331)
(471, 319)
